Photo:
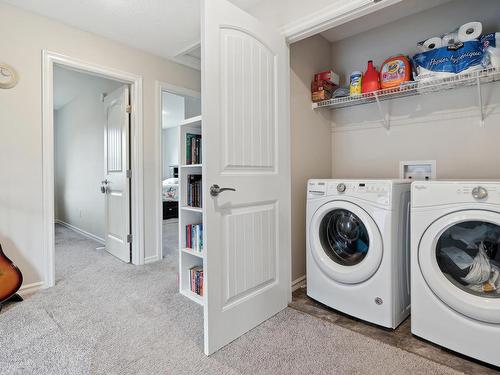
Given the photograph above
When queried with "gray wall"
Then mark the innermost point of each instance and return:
(192, 106)
(444, 127)
(170, 150)
(79, 150)
(311, 155)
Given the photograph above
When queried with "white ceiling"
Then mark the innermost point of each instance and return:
(161, 27)
(165, 28)
(171, 28)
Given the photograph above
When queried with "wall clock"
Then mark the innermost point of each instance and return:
(8, 76)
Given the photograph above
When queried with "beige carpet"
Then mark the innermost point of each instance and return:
(107, 317)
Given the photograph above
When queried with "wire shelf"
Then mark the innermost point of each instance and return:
(414, 88)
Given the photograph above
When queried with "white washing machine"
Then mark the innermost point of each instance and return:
(455, 247)
(358, 248)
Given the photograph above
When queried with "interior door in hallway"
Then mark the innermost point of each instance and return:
(246, 143)
(116, 185)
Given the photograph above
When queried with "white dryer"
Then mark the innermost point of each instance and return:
(455, 247)
(358, 248)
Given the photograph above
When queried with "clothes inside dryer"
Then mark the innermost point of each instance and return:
(344, 237)
(468, 254)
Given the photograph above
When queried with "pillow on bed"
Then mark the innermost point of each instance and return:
(171, 181)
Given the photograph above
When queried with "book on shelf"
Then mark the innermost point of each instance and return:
(194, 237)
(196, 279)
(193, 148)
(194, 190)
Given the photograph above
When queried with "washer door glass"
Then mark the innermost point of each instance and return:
(344, 237)
(468, 254)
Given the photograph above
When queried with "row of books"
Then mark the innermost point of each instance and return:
(194, 237)
(193, 198)
(196, 277)
(193, 148)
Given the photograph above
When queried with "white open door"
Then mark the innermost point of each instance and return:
(245, 75)
(116, 186)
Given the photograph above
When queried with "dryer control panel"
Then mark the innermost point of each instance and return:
(439, 193)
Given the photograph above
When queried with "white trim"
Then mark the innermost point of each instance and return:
(81, 231)
(137, 207)
(298, 283)
(31, 288)
(151, 259)
(160, 87)
(182, 56)
(331, 16)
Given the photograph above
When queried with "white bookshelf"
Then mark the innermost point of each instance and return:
(188, 257)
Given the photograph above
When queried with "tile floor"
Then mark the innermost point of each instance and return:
(400, 338)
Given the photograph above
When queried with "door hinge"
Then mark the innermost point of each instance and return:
(129, 173)
(129, 238)
(128, 108)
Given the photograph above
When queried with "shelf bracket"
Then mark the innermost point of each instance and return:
(384, 115)
(480, 100)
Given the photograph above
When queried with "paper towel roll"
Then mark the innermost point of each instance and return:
(450, 38)
(470, 31)
(431, 43)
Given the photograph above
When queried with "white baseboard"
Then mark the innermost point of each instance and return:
(81, 231)
(31, 288)
(298, 283)
(151, 259)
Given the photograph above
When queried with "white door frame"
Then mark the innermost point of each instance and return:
(160, 87)
(136, 122)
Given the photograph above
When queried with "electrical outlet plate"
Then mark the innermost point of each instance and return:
(417, 170)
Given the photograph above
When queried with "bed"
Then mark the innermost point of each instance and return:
(170, 196)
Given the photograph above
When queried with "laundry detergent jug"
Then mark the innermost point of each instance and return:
(370, 80)
(394, 71)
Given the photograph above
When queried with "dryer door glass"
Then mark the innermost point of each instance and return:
(468, 254)
(344, 237)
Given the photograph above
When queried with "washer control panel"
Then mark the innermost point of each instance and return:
(375, 191)
(357, 187)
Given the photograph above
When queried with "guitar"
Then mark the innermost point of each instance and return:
(10, 280)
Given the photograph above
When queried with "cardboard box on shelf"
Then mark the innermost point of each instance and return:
(327, 75)
(322, 90)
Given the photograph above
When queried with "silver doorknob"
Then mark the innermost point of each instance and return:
(479, 192)
(215, 190)
(104, 186)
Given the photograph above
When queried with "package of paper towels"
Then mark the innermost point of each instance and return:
(458, 51)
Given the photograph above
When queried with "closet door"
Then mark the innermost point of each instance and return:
(246, 143)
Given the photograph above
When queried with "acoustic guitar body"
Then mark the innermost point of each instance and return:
(11, 278)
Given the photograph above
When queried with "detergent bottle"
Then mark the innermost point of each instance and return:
(371, 79)
(394, 71)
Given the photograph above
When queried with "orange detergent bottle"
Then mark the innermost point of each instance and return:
(370, 80)
(395, 71)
